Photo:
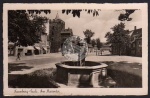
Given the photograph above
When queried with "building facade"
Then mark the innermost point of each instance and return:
(38, 48)
(57, 34)
(132, 49)
(55, 27)
(42, 47)
(66, 33)
(136, 42)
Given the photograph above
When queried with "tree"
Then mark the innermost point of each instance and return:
(125, 16)
(95, 12)
(88, 34)
(98, 42)
(119, 38)
(22, 30)
(77, 12)
(93, 41)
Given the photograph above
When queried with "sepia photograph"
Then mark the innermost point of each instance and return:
(75, 49)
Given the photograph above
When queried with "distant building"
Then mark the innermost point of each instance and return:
(42, 47)
(135, 46)
(14, 50)
(38, 48)
(55, 27)
(136, 42)
(91, 48)
(57, 34)
(105, 47)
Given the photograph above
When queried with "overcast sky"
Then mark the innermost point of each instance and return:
(99, 24)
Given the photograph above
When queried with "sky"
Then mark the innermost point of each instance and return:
(100, 25)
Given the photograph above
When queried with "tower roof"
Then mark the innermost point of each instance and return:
(57, 16)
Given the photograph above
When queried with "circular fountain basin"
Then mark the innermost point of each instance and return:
(80, 76)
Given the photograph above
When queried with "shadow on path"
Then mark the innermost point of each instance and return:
(38, 79)
(17, 67)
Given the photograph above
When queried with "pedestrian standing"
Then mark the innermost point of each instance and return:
(18, 56)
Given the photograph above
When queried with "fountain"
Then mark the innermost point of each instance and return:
(77, 72)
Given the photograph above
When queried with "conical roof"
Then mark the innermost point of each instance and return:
(57, 16)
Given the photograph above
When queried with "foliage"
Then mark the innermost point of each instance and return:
(88, 34)
(125, 16)
(95, 12)
(93, 41)
(74, 12)
(22, 30)
(77, 12)
(119, 37)
(39, 11)
(98, 42)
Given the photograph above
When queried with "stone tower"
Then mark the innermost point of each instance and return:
(55, 27)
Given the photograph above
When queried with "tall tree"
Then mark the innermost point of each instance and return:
(88, 34)
(98, 42)
(22, 30)
(93, 41)
(119, 38)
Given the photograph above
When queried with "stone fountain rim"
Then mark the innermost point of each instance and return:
(101, 65)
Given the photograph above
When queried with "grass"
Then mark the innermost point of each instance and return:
(39, 79)
(17, 67)
(127, 75)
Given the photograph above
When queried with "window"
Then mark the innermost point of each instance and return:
(52, 33)
(53, 27)
(52, 39)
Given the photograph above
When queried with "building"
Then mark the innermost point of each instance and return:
(55, 27)
(106, 47)
(57, 34)
(132, 49)
(14, 50)
(42, 47)
(136, 42)
(91, 48)
(38, 48)
(66, 33)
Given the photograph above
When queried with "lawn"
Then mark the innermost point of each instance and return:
(126, 75)
(39, 79)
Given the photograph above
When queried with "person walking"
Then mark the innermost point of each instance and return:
(18, 56)
(101, 52)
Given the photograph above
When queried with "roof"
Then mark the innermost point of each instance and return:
(137, 32)
(131, 32)
(57, 16)
(105, 44)
(66, 31)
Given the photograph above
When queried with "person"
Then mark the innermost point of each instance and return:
(101, 52)
(18, 56)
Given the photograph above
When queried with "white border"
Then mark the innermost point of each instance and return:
(80, 91)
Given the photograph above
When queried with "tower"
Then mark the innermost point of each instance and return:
(55, 27)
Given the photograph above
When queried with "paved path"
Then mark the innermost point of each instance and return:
(115, 58)
(49, 61)
(37, 62)
(41, 56)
